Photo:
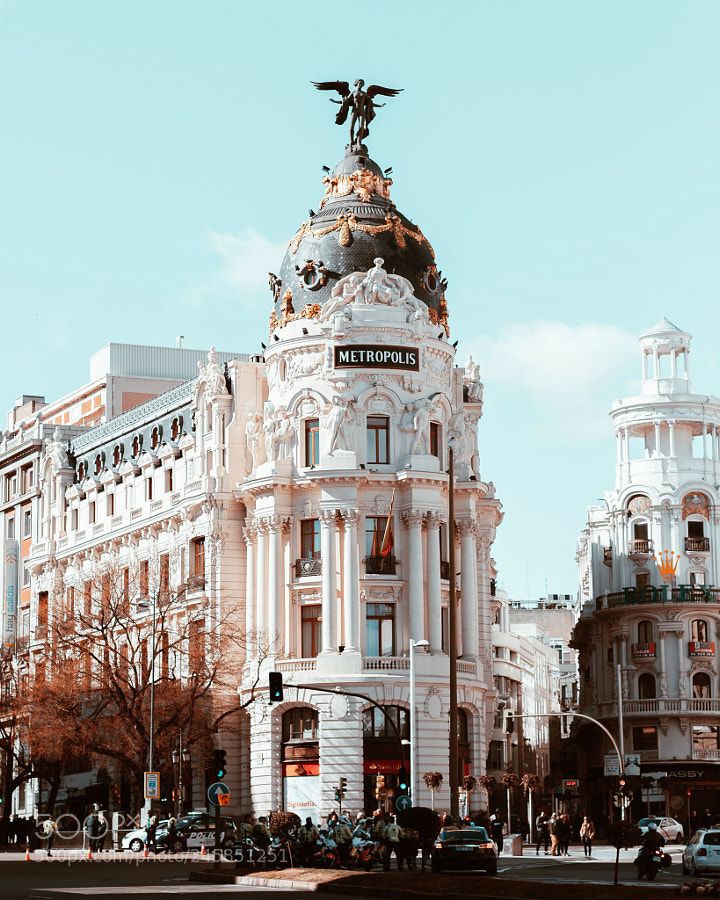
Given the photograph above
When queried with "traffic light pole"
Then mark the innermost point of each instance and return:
(452, 628)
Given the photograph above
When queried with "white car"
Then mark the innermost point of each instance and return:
(703, 852)
(669, 828)
(194, 830)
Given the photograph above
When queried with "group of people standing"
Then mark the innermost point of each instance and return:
(554, 833)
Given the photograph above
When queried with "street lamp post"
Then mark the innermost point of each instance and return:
(414, 645)
(151, 735)
(180, 757)
(452, 628)
(621, 735)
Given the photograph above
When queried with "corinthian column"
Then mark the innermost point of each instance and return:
(250, 534)
(414, 522)
(273, 599)
(351, 602)
(433, 583)
(468, 576)
(327, 550)
(260, 604)
(285, 586)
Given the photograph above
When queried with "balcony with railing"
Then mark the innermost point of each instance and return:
(307, 566)
(710, 753)
(685, 593)
(640, 548)
(380, 565)
(701, 648)
(386, 663)
(660, 705)
(296, 665)
(697, 545)
(643, 650)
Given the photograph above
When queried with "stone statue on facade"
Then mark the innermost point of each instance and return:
(253, 427)
(421, 424)
(56, 451)
(376, 286)
(357, 103)
(212, 375)
(471, 381)
(339, 422)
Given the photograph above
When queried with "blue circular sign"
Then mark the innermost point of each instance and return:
(218, 787)
(403, 802)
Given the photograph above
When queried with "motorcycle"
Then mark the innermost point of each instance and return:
(649, 862)
(364, 853)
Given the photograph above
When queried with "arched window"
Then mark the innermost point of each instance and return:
(701, 685)
(136, 446)
(699, 630)
(82, 471)
(117, 455)
(300, 746)
(155, 437)
(376, 724)
(98, 463)
(300, 724)
(175, 428)
(646, 686)
(646, 632)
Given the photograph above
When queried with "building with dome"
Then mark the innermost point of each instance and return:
(648, 561)
(301, 497)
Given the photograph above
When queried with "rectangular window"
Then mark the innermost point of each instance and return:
(26, 576)
(10, 486)
(70, 603)
(148, 488)
(105, 594)
(125, 605)
(310, 630)
(312, 442)
(445, 629)
(74, 519)
(310, 539)
(91, 513)
(196, 645)
(10, 528)
(144, 577)
(706, 738)
(164, 572)
(197, 576)
(168, 481)
(435, 439)
(695, 529)
(645, 738)
(110, 504)
(42, 609)
(496, 755)
(28, 479)
(699, 630)
(374, 532)
(642, 580)
(378, 440)
(27, 523)
(87, 599)
(380, 629)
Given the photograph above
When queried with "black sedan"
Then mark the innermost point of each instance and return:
(464, 848)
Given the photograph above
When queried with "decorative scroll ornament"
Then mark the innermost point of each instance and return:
(347, 223)
(371, 288)
(695, 504)
(361, 182)
(313, 275)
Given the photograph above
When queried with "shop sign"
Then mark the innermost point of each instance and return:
(381, 766)
(376, 356)
(612, 765)
(301, 795)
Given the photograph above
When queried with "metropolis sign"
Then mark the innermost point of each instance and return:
(381, 356)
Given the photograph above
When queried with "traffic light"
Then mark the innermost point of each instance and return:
(342, 787)
(379, 787)
(219, 764)
(275, 685)
(403, 781)
(509, 722)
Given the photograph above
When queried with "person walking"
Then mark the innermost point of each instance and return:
(555, 829)
(391, 844)
(151, 830)
(49, 827)
(172, 835)
(497, 830)
(542, 833)
(587, 835)
(308, 836)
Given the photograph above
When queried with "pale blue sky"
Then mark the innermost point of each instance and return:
(562, 157)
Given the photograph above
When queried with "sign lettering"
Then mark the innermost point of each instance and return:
(382, 356)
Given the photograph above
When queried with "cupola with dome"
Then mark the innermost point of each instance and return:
(356, 223)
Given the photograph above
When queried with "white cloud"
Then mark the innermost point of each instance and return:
(570, 374)
(247, 257)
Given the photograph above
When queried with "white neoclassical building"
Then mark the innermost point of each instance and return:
(663, 631)
(309, 490)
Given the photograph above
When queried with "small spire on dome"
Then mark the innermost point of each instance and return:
(663, 327)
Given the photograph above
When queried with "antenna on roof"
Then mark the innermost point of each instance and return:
(180, 341)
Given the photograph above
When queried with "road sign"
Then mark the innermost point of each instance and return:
(570, 784)
(403, 802)
(612, 764)
(219, 794)
(152, 785)
(632, 763)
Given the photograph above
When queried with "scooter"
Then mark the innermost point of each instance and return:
(649, 862)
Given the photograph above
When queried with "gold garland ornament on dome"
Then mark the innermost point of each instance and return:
(362, 182)
(288, 314)
(347, 224)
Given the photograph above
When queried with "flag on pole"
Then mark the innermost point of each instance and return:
(388, 541)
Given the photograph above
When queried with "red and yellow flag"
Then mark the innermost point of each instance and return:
(388, 541)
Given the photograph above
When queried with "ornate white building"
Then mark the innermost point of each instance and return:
(308, 489)
(663, 632)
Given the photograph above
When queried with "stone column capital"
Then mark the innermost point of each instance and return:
(250, 534)
(328, 516)
(465, 526)
(433, 519)
(413, 518)
(350, 517)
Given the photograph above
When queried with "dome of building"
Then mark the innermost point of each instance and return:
(356, 223)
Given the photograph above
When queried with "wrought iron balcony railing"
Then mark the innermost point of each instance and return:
(307, 566)
(697, 545)
(380, 565)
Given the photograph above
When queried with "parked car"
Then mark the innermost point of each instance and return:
(193, 830)
(669, 828)
(702, 852)
(464, 848)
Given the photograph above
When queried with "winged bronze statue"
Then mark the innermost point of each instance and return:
(358, 103)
